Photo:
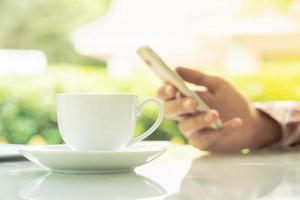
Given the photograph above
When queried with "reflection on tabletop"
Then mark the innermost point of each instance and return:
(91, 186)
(23, 180)
(14, 175)
(237, 176)
(182, 173)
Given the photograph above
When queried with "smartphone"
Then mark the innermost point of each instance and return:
(166, 74)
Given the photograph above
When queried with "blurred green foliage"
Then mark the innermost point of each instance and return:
(277, 80)
(27, 104)
(265, 7)
(47, 25)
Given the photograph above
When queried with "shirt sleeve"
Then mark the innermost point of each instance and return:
(287, 114)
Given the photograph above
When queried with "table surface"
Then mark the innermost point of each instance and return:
(181, 173)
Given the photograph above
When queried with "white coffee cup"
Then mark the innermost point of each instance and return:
(101, 121)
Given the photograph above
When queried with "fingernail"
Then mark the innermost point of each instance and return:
(187, 104)
(211, 115)
(169, 90)
(236, 123)
(208, 117)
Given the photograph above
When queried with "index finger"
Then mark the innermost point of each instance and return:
(199, 78)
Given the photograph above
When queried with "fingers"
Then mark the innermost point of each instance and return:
(197, 122)
(217, 140)
(177, 107)
(181, 106)
(167, 92)
(199, 78)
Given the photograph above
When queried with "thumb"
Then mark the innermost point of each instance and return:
(199, 78)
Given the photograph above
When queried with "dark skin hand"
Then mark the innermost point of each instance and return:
(243, 125)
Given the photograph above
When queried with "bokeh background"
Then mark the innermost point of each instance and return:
(49, 47)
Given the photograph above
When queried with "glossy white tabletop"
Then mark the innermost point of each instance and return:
(181, 173)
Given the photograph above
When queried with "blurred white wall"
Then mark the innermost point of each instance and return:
(184, 32)
(25, 62)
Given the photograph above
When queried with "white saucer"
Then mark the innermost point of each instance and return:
(10, 150)
(60, 158)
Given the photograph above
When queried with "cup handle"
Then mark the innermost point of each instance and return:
(156, 123)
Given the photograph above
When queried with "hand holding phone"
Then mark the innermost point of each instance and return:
(166, 74)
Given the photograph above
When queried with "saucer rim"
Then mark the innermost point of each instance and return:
(143, 157)
(99, 171)
(42, 149)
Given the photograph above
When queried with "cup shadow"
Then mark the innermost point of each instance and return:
(92, 186)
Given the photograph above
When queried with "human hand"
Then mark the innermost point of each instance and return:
(244, 126)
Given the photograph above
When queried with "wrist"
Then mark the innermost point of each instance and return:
(267, 130)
